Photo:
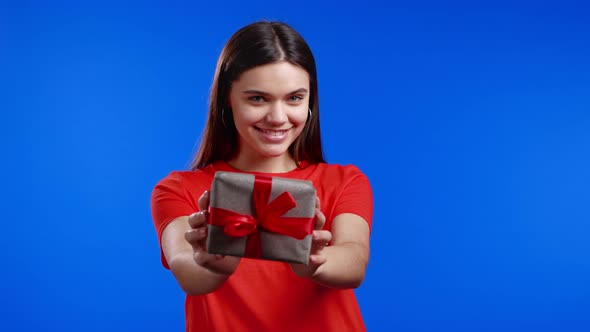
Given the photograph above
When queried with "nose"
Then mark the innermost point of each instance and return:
(277, 114)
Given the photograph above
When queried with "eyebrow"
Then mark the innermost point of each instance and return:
(258, 92)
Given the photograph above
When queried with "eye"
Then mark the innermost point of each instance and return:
(295, 98)
(256, 99)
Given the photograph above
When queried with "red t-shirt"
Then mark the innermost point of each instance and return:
(266, 295)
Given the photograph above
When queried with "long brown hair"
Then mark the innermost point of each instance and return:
(254, 45)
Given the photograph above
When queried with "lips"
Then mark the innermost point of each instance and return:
(272, 132)
(273, 135)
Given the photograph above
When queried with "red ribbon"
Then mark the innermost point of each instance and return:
(266, 215)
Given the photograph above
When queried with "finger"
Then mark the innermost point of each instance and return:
(317, 248)
(204, 201)
(205, 259)
(317, 259)
(317, 202)
(201, 257)
(198, 219)
(195, 237)
(322, 237)
(320, 219)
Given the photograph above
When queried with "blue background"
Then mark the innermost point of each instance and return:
(472, 122)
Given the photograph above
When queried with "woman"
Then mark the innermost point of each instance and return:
(264, 119)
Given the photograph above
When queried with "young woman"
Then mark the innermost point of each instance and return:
(264, 119)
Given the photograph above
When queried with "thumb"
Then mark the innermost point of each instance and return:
(204, 201)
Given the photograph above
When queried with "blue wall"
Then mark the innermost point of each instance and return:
(472, 122)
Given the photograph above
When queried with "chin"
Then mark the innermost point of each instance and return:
(273, 154)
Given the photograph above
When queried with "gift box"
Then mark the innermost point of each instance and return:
(261, 217)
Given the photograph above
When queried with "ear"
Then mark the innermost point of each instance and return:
(228, 102)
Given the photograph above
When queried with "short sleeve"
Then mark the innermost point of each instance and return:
(169, 201)
(356, 196)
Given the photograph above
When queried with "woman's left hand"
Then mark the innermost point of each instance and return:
(320, 240)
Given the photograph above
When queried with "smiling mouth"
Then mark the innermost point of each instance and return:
(272, 132)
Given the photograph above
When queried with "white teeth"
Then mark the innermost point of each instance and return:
(273, 132)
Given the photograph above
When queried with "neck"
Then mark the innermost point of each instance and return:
(281, 164)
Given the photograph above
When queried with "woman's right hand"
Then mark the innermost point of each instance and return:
(197, 237)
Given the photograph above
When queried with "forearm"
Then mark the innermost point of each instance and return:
(345, 266)
(193, 278)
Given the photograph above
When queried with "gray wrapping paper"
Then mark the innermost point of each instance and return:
(233, 191)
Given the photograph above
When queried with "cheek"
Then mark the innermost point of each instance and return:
(245, 117)
(299, 117)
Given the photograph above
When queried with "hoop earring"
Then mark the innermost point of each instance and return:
(309, 117)
(223, 117)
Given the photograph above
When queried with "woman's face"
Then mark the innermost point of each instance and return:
(270, 108)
